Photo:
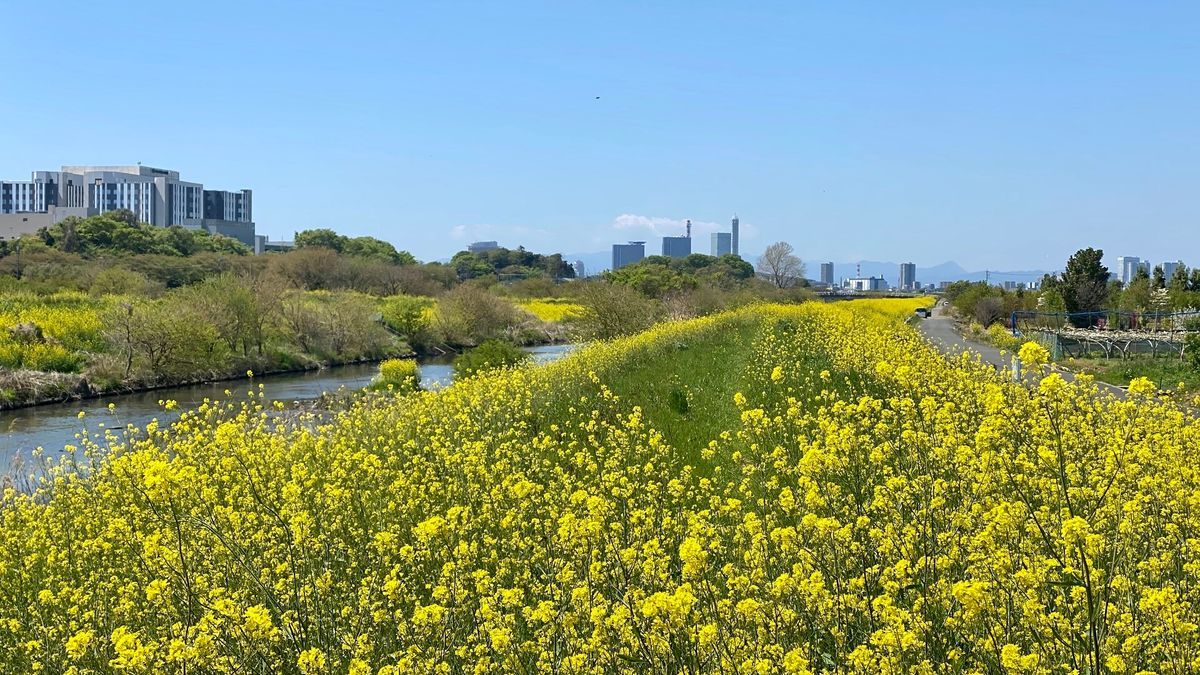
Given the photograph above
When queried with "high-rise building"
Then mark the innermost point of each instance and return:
(827, 273)
(677, 247)
(734, 236)
(908, 276)
(1127, 267)
(627, 254)
(482, 246)
(722, 243)
(1170, 267)
(580, 270)
(155, 196)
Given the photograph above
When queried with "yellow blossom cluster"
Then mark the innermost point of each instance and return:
(872, 507)
(553, 310)
(66, 324)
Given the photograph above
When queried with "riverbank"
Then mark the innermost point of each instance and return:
(27, 388)
(55, 425)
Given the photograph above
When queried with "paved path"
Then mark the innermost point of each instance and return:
(939, 329)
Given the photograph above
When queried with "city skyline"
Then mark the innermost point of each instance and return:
(930, 132)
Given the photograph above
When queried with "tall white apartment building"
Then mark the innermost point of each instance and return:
(155, 196)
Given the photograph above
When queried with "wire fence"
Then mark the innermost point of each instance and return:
(1023, 321)
(1113, 333)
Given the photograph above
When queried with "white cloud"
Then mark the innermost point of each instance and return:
(509, 236)
(664, 227)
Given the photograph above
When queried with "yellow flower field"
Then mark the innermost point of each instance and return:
(872, 508)
(552, 310)
(70, 324)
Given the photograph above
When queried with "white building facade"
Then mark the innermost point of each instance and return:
(155, 196)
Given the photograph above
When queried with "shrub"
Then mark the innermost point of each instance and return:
(1191, 344)
(400, 375)
(469, 315)
(1002, 337)
(407, 315)
(51, 358)
(488, 356)
(120, 281)
(611, 310)
(989, 310)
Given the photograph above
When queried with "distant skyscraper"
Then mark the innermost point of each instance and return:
(827, 273)
(734, 236)
(627, 254)
(721, 243)
(580, 270)
(1170, 267)
(483, 246)
(1127, 267)
(908, 276)
(677, 247)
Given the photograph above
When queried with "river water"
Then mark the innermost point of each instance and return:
(55, 425)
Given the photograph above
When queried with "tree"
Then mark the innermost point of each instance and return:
(1178, 282)
(652, 277)
(469, 314)
(611, 310)
(1136, 296)
(320, 238)
(989, 310)
(1084, 284)
(370, 247)
(1160, 277)
(779, 265)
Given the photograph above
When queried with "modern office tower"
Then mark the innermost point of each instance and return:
(677, 247)
(155, 196)
(627, 254)
(734, 236)
(827, 273)
(908, 276)
(483, 246)
(1170, 267)
(722, 243)
(1127, 267)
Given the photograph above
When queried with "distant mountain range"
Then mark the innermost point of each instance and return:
(947, 271)
(597, 262)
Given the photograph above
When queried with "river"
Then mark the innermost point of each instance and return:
(55, 425)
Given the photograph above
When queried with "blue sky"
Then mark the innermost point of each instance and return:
(1001, 135)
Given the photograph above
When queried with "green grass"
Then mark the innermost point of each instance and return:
(1166, 372)
(687, 394)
